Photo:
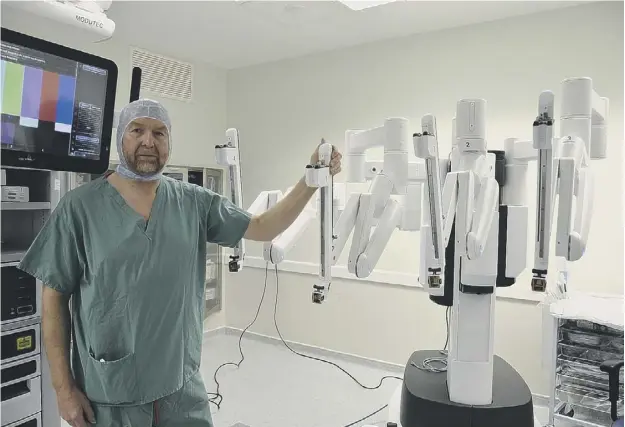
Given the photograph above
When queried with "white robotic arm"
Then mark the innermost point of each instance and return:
(373, 216)
(433, 242)
(583, 138)
(318, 175)
(469, 199)
(276, 251)
(228, 154)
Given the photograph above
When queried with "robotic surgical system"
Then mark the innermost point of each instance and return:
(473, 240)
(473, 236)
(370, 217)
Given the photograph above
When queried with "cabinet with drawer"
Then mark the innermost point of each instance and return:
(27, 396)
(579, 388)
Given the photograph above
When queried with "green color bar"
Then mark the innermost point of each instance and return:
(13, 86)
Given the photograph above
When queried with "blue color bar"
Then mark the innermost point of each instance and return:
(65, 103)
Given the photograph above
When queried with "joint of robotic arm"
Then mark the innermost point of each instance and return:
(263, 202)
(393, 136)
(276, 251)
(584, 194)
(345, 225)
(389, 221)
(519, 152)
(357, 142)
(584, 114)
(599, 130)
(573, 227)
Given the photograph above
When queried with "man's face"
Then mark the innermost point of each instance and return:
(145, 146)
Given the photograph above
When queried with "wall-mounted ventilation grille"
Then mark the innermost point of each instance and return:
(163, 76)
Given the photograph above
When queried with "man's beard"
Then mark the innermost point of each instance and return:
(145, 163)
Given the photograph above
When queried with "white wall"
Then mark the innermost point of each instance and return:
(283, 109)
(196, 124)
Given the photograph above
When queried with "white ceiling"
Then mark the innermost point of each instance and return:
(232, 34)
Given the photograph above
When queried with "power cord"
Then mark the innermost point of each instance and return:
(428, 362)
(217, 398)
(426, 366)
(367, 417)
(275, 321)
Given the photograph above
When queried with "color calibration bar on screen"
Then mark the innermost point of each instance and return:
(33, 94)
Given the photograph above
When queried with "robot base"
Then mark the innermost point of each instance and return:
(425, 400)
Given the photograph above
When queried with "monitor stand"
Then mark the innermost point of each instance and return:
(425, 400)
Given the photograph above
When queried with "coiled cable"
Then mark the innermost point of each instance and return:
(429, 363)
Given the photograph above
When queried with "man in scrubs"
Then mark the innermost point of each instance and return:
(130, 250)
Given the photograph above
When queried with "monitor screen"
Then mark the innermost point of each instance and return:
(56, 104)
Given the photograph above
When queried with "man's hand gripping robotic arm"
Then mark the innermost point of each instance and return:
(583, 132)
(375, 210)
(318, 175)
(228, 154)
(276, 250)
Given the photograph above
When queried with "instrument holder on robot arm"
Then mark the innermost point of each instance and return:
(433, 240)
(318, 175)
(229, 155)
(564, 170)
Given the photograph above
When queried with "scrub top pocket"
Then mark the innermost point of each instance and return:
(111, 382)
(110, 332)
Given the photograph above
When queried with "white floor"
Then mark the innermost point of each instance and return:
(276, 388)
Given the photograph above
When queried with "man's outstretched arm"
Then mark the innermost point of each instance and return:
(270, 224)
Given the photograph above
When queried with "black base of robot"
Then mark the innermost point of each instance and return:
(425, 399)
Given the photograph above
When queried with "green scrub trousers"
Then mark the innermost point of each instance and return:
(137, 290)
(187, 407)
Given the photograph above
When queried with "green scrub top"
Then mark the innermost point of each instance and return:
(137, 286)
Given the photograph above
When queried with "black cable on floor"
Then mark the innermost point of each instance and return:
(444, 351)
(275, 321)
(368, 416)
(217, 395)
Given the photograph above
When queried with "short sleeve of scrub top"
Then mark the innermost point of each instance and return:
(54, 256)
(226, 223)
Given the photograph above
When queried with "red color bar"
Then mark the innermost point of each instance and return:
(49, 96)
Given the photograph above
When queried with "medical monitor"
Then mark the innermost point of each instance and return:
(57, 106)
